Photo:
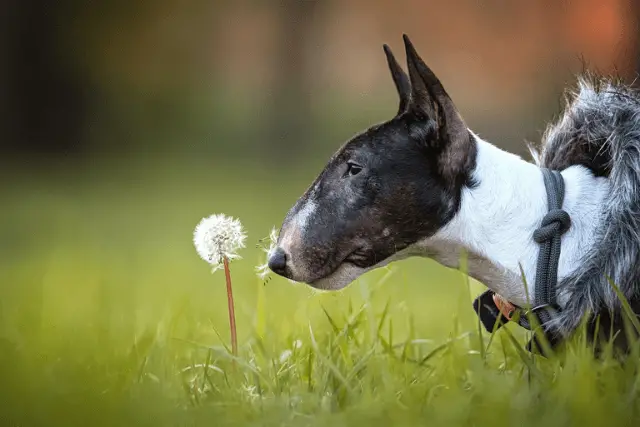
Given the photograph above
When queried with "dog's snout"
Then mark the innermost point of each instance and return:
(278, 261)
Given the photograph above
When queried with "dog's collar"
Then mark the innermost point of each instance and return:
(491, 307)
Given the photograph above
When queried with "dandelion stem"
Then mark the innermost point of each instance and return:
(232, 315)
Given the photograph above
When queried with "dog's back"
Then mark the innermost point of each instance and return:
(600, 116)
(600, 129)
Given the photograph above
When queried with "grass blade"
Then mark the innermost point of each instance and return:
(331, 366)
(625, 305)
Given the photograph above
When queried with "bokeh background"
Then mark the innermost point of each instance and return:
(122, 123)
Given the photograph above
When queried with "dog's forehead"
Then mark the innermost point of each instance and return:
(369, 141)
(368, 147)
(359, 145)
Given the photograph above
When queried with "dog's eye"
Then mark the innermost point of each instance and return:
(353, 169)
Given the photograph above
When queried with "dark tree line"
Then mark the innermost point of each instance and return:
(43, 102)
(42, 105)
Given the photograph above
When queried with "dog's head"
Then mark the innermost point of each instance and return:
(387, 188)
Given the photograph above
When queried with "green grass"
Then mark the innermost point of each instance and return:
(108, 317)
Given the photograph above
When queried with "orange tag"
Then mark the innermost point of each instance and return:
(505, 307)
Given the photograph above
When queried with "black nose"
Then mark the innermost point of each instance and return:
(278, 262)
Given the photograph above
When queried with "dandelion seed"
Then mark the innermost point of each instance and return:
(268, 245)
(251, 391)
(285, 355)
(217, 237)
(262, 270)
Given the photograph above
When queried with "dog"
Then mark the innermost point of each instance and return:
(424, 184)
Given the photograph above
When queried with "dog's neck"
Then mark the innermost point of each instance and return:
(498, 216)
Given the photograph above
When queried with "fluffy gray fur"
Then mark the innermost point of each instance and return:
(600, 129)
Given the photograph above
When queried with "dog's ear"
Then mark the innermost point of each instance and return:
(430, 103)
(400, 79)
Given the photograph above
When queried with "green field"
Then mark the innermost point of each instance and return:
(108, 317)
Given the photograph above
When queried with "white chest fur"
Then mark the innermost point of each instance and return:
(497, 219)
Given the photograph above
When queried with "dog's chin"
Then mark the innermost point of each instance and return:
(347, 272)
(340, 278)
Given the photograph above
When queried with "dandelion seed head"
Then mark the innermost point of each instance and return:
(217, 237)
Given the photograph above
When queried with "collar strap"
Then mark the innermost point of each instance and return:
(554, 224)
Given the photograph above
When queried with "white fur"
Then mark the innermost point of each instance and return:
(302, 217)
(497, 219)
(300, 222)
(292, 237)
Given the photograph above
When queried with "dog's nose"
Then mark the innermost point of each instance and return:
(278, 262)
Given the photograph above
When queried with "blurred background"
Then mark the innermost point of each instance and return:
(249, 79)
(122, 123)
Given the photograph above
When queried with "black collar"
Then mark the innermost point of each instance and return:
(554, 224)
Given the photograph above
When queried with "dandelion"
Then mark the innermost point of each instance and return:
(217, 239)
